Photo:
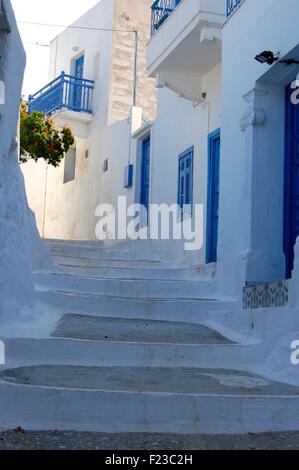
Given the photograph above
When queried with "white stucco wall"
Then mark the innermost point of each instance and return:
(252, 160)
(179, 126)
(20, 248)
(109, 57)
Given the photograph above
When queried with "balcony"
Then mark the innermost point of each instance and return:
(186, 43)
(161, 9)
(69, 100)
(65, 92)
(231, 6)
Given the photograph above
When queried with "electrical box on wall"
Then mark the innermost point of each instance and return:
(105, 166)
(128, 183)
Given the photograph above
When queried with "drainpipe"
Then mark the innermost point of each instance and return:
(45, 200)
(135, 68)
(134, 100)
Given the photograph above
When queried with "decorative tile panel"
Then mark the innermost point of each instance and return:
(266, 295)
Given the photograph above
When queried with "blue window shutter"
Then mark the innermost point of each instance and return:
(185, 178)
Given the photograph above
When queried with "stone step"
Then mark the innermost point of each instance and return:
(76, 243)
(138, 288)
(189, 310)
(148, 249)
(125, 270)
(138, 399)
(97, 252)
(65, 261)
(108, 353)
(137, 331)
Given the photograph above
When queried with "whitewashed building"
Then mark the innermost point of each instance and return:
(258, 203)
(138, 344)
(21, 249)
(100, 88)
(184, 56)
(234, 120)
(222, 135)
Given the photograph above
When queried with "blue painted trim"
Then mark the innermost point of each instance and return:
(128, 180)
(161, 10)
(183, 156)
(211, 256)
(231, 6)
(287, 217)
(59, 93)
(144, 190)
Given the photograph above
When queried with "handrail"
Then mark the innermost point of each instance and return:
(65, 91)
(161, 10)
(231, 6)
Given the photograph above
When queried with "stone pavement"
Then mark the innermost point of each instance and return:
(22, 440)
(149, 379)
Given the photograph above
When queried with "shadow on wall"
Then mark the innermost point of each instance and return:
(20, 248)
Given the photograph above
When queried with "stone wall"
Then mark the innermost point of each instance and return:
(130, 15)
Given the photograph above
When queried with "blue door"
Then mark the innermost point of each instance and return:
(145, 172)
(78, 74)
(213, 195)
(291, 203)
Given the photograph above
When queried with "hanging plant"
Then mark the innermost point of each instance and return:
(39, 138)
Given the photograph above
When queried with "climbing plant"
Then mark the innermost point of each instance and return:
(39, 138)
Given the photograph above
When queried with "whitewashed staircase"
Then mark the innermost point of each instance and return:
(134, 344)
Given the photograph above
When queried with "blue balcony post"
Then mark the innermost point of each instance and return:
(61, 91)
(29, 101)
(231, 5)
(161, 10)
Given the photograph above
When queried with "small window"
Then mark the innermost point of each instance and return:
(70, 166)
(185, 190)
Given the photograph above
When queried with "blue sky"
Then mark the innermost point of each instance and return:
(53, 12)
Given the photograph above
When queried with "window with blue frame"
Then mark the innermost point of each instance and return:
(185, 186)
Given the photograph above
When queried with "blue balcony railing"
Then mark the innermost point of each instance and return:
(65, 92)
(231, 5)
(161, 9)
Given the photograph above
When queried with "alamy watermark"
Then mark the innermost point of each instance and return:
(295, 353)
(158, 222)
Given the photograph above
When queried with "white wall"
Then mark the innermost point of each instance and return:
(251, 207)
(96, 47)
(109, 56)
(20, 247)
(179, 126)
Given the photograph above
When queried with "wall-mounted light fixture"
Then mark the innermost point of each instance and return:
(267, 57)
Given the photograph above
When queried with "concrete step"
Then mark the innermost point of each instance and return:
(105, 270)
(70, 261)
(97, 252)
(180, 309)
(152, 399)
(75, 243)
(138, 288)
(134, 330)
(110, 353)
(56, 241)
